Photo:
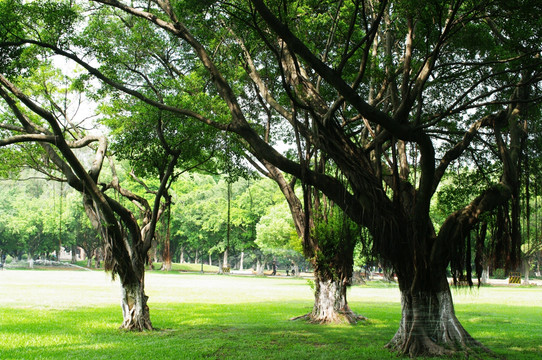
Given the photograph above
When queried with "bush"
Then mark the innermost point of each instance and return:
(499, 274)
(9, 259)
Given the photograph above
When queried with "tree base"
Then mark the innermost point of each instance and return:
(429, 327)
(135, 312)
(137, 326)
(426, 347)
(337, 317)
(135, 320)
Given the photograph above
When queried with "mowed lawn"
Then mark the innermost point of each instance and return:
(75, 315)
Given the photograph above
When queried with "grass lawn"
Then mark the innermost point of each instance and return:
(75, 315)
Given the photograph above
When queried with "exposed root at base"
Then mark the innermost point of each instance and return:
(135, 327)
(426, 347)
(137, 323)
(301, 317)
(420, 347)
(336, 318)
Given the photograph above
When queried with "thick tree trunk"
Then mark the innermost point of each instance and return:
(166, 265)
(429, 326)
(135, 311)
(330, 304)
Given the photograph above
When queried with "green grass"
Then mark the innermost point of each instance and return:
(75, 315)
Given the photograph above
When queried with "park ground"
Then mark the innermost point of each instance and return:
(52, 314)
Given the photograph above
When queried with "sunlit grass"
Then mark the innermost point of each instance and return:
(75, 315)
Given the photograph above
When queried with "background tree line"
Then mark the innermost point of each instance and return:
(38, 216)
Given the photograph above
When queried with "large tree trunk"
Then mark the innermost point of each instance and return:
(135, 311)
(429, 326)
(330, 304)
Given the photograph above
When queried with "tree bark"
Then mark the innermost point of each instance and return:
(135, 311)
(429, 326)
(330, 304)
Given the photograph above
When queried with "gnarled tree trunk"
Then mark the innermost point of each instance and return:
(135, 311)
(429, 326)
(330, 304)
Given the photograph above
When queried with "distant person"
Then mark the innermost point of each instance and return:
(274, 268)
